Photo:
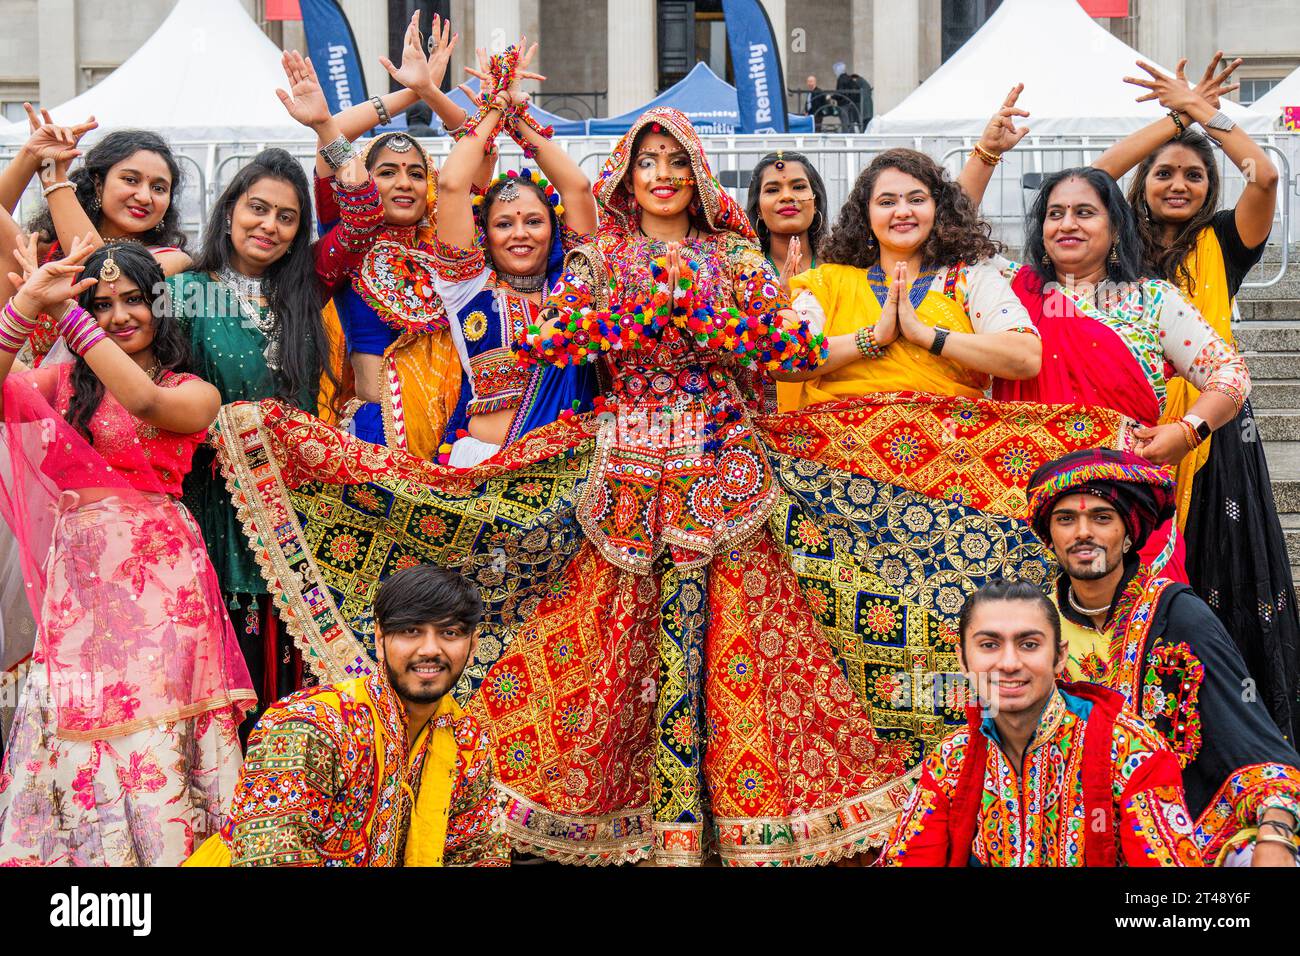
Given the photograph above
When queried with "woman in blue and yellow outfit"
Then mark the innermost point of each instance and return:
(497, 254)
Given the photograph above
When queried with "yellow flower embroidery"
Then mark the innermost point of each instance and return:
(475, 326)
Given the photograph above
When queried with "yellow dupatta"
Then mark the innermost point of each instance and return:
(1209, 294)
(849, 304)
(426, 839)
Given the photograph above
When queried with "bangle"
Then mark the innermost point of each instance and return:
(378, 104)
(45, 193)
(940, 337)
(865, 340)
(460, 132)
(1288, 842)
(517, 116)
(985, 156)
(338, 153)
(1189, 434)
(14, 328)
(1278, 824)
(1178, 121)
(80, 330)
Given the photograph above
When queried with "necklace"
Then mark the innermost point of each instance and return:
(154, 370)
(1086, 612)
(523, 283)
(247, 291)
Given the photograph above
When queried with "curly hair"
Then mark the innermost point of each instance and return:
(818, 229)
(88, 178)
(958, 235)
(1170, 262)
(1126, 265)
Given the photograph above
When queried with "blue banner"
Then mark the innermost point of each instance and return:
(333, 52)
(756, 60)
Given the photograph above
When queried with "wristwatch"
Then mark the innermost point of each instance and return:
(1199, 425)
(1220, 121)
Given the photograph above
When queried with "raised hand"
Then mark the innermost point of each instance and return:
(305, 101)
(41, 287)
(443, 43)
(414, 71)
(1212, 86)
(50, 143)
(1173, 92)
(1002, 133)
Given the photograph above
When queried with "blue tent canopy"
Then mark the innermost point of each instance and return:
(705, 97)
(563, 127)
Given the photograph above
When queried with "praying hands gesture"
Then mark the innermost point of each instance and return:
(891, 320)
(793, 264)
(418, 73)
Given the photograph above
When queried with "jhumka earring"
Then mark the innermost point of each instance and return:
(1113, 258)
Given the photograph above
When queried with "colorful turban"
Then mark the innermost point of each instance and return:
(1141, 492)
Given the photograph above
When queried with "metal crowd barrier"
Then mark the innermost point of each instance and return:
(209, 166)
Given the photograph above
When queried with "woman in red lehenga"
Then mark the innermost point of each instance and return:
(124, 749)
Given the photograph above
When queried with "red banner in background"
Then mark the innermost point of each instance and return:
(1103, 8)
(283, 10)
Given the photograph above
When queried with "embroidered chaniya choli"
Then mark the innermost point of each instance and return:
(706, 627)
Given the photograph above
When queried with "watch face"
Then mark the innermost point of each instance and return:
(1203, 430)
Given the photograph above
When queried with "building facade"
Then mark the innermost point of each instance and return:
(604, 57)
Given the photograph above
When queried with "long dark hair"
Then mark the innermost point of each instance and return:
(821, 220)
(289, 284)
(89, 178)
(170, 348)
(958, 235)
(1126, 266)
(1170, 262)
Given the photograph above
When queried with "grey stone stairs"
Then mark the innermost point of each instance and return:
(1269, 336)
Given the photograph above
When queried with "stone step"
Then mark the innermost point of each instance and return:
(1276, 425)
(1287, 288)
(1276, 366)
(1275, 395)
(1283, 461)
(1264, 336)
(1286, 494)
(1268, 309)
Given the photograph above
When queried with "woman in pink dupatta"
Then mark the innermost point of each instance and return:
(123, 749)
(1113, 338)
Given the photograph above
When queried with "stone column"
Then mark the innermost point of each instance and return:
(369, 20)
(497, 24)
(633, 54)
(59, 58)
(781, 31)
(896, 47)
(863, 52)
(1162, 34)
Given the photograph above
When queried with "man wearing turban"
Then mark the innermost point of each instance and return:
(1160, 645)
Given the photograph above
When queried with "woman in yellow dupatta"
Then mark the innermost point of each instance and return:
(906, 296)
(1237, 558)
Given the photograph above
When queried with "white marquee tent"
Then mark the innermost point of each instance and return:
(1286, 93)
(207, 73)
(1071, 66)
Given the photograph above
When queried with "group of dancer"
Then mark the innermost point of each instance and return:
(511, 516)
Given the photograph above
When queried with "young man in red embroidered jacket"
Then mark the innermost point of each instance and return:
(1157, 643)
(1044, 774)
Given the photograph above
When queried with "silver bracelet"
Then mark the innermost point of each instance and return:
(338, 153)
(378, 104)
(45, 193)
